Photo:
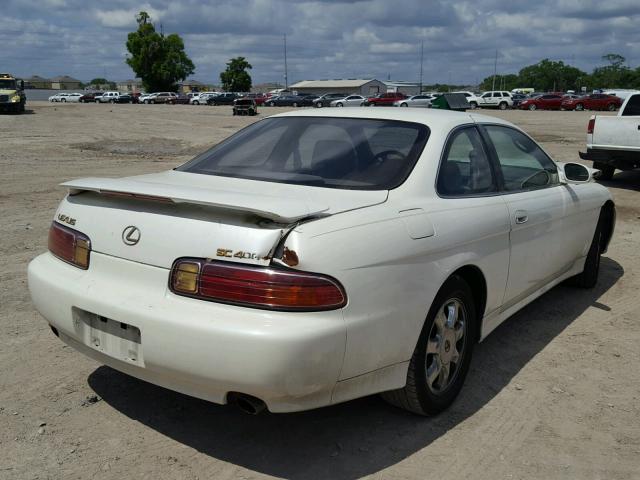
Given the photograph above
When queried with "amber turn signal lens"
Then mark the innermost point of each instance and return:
(185, 277)
(69, 245)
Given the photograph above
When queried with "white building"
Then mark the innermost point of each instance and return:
(365, 87)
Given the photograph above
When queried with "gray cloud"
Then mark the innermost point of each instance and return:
(326, 39)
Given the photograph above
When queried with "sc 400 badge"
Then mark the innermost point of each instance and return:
(224, 252)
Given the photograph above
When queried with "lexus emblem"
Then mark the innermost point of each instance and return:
(131, 235)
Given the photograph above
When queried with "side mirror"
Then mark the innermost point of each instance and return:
(576, 173)
(21, 84)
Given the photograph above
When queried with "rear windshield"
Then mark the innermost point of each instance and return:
(347, 153)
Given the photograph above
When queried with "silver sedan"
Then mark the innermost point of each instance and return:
(415, 101)
(349, 101)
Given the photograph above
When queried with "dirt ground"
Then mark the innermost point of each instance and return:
(554, 393)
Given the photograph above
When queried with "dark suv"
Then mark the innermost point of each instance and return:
(222, 99)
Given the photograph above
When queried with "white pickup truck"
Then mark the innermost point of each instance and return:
(614, 142)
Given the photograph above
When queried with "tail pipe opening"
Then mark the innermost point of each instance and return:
(247, 403)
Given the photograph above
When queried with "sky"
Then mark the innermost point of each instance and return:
(327, 39)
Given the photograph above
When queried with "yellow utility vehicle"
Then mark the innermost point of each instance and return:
(12, 96)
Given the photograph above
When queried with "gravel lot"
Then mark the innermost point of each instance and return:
(553, 393)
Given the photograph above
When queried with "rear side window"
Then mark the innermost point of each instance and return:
(633, 107)
(523, 164)
(465, 168)
(347, 153)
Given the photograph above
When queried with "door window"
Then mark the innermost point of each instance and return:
(465, 169)
(523, 164)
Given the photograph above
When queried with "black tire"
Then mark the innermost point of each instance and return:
(579, 107)
(607, 170)
(294, 104)
(403, 104)
(532, 107)
(474, 105)
(271, 104)
(611, 107)
(417, 396)
(589, 276)
(64, 100)
(503, 105)
(339, 104)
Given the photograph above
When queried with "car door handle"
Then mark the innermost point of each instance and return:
(521, 217)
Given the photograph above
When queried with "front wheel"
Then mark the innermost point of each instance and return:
(271, 104)
(403, 104)
(294, 104)
(611, 107)
(442, 356)
(339, 104)
(579, 107)
(319, 105)
(64, 100)
(532, 107)
(474, 105)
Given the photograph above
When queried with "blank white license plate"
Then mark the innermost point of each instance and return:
(111, 337)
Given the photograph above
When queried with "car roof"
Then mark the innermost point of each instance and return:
(424, 116)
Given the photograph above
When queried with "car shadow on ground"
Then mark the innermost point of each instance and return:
(360, 437)
(627, 180)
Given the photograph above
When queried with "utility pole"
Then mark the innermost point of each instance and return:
(286, 75)
(495, 70)
(421, 60)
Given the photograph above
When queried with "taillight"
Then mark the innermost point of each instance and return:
(69, 245)
(258, 287)
(591, 125)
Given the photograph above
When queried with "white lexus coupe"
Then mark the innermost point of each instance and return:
(319, 256)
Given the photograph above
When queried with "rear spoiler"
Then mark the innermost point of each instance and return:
(278, 209)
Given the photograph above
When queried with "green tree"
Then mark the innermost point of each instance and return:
(549, 75)
(616, 74)
(160, 61)
(236, 78)
(503, 82)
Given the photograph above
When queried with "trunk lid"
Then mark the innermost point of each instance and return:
(181, 214)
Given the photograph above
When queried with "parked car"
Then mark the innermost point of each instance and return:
(348, 101)
(316, 257)
(518, 98)
(415, 101)
(169, 98)
(182, 99)
(144, 96)
(325, 100)
(59, 97)
(548, 101)
(289, 101)
(113, 97)
(245, 106)
(89, 97)
(385, 99)
(201, 98)
(614, 142)
(258, 98)
(472, 99)
(596, 101)
(226, 98)
(495, 99)
(73, 97)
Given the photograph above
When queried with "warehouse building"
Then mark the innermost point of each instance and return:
(37, 82)
(364, 87)
(65, 82)
(408, 88)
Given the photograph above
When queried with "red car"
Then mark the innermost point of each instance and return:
(596, 101)
(385, 99)
(548, 101)
(259, 98)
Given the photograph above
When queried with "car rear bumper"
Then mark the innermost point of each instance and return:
(289, 360)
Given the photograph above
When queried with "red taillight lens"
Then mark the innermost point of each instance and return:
(258, 287)
(69, 245)
(591, 125)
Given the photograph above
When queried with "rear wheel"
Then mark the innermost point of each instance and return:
(503, 106)
(318, 104)
(532, 106)
(271, 104)
(589, 276)
(474, 105)
(294, 104)
(64, 100)
(611, 107)
(442, 356)
(607, 170)
(579, 107)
